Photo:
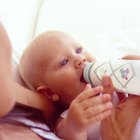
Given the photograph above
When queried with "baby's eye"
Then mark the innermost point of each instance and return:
(79, 50)
(64, 62)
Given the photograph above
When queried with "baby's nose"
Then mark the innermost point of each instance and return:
(80, 62)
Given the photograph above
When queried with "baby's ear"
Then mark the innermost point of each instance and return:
(48, 93)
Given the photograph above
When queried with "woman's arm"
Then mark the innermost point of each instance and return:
(30, 98)
(121, 124)
(7, 98)
(131, 57)
(10, 91)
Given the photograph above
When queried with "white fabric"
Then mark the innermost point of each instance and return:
(137, 131)
(19, 18)
(94, 130)
(107, 28)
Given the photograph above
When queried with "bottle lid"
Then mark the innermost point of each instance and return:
(86, 72)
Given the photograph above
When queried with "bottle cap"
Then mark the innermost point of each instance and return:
(86, 72)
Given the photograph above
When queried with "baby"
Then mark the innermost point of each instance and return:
(53, 65)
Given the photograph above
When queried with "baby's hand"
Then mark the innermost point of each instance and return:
(88, 108)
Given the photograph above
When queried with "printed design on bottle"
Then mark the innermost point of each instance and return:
(124, 73)
(121, 74)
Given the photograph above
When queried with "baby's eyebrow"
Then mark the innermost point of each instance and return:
(79, 46)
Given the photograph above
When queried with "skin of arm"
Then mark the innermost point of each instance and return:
(11, 92)
(118, 123)
(6, 75)
(36, 100)
(85, 110)
(122, 121)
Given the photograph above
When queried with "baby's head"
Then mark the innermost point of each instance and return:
(53, 65)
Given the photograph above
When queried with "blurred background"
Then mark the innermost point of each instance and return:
(108, 28)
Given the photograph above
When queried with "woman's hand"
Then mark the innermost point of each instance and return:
(121, 123)
(109, 88)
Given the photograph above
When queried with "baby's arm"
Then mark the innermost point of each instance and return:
(86, 109)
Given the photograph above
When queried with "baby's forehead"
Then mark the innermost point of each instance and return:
(50, 42)
(55, 36)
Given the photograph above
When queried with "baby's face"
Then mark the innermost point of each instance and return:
(65, 61)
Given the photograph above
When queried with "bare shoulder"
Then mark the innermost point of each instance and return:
(131, 57)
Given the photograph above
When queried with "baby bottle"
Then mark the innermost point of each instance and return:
(125, 74)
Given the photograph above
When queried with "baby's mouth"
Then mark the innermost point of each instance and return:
(82, 79)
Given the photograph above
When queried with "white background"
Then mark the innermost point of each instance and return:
(108, 28)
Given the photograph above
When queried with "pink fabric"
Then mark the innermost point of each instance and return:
(137, 131)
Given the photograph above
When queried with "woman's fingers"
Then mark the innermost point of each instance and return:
(107, 84)
(109, 88)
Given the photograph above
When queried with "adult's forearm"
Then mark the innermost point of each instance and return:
(115, 132)
(121, 124)
(6, 75)
(31, 98)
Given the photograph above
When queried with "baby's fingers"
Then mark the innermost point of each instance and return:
(98, 109)
(100, 106)
(89, 92)
(94, 101)
(99, 117)
(98, 113)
